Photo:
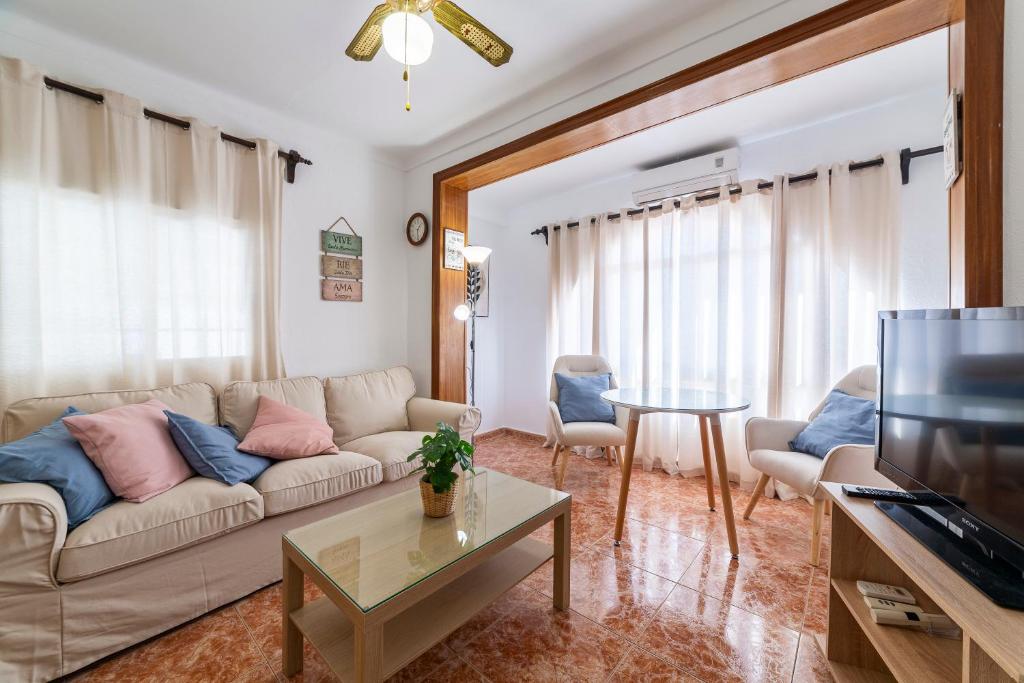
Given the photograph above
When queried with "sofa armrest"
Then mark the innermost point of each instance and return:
(772, 434)
(853, 464)
(33, 526)
(425, 413)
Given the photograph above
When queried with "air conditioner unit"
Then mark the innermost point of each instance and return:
(686, 177)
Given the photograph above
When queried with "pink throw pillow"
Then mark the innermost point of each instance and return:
(132, 448)
(283, 432)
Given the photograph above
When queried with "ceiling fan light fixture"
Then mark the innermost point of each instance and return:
(407, 38)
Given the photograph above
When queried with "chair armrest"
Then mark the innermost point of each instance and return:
(425, 413)
(771, 434)
(852, 464)
(33, 526)
(556, 422)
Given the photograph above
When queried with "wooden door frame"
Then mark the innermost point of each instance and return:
(849, 30)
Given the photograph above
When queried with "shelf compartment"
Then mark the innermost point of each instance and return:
(416, 630)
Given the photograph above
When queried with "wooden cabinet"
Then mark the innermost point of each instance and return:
(867, 545)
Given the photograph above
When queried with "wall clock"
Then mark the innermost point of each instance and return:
(416, 229)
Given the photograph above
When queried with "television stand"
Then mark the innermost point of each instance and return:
(867, 544)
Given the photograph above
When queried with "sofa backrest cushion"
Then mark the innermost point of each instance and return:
(369, 403)
(239, 400)
(197, 400)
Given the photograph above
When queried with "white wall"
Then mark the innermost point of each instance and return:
(490, 340)
(913, 121)
(319, 337)
(732, 23)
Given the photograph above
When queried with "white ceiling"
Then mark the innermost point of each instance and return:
(289, 56)
(856, 84)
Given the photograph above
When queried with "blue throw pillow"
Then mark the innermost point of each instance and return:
(845, 419)
(579, 398)
(213, 451)
(52, 456)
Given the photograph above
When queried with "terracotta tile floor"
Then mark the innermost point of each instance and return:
(669, 604)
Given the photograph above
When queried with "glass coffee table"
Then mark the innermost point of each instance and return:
(397, 582)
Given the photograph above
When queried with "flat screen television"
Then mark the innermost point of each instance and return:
(951, 431)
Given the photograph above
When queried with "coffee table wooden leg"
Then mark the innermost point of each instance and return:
(723, 483)
(369, 652)
(563, 556)
(627, 470)
(291, 600)
(709, 477)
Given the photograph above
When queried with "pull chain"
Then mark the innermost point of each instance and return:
(405, 74)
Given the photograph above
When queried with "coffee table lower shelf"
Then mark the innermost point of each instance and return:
(416, 630)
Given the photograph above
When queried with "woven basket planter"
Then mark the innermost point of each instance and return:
(439, 504)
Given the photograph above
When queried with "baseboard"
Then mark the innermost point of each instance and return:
(509, 431)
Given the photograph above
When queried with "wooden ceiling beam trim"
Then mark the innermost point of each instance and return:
(823, 40)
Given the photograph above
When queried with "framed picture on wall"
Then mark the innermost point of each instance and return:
(454, 240)
(483, 304)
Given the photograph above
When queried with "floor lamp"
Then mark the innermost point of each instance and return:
(474, 256)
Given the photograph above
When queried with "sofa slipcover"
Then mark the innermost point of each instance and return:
(370, 403)
(196, 510)
(390, 449)
(52, 622)
(293, 484)
(197, 400)
(239, 400)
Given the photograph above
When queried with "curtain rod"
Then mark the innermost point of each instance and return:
(906, 154)
(292, 158)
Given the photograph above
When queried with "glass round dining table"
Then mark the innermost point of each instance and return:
(707, 406)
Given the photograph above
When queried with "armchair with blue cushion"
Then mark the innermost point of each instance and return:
(772, 448)
(588, 420)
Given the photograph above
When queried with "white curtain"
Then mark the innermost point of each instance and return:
(838, 245)
(672, 297)
(771, 295)
(133, 253)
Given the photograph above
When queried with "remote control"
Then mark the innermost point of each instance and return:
(885, 592)
(886, 495)
(911, 619)
(879, 603)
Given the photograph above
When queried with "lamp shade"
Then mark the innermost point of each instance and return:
(475, 254)
(407, 38)
(461, 312)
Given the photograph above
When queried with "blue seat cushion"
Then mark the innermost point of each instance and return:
(579, 398)
(844, 420)
(52, 456)
(213, 451)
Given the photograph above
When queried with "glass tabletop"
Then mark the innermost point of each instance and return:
(683, 400)
(375, 552)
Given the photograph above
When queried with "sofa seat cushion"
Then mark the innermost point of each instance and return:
(798, 470)
(593, 434)
(125, 533)
(390, 449)
(292, 484)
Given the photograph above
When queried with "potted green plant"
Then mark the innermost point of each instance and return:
(440, 483)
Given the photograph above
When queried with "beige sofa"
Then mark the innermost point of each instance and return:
(137, 569)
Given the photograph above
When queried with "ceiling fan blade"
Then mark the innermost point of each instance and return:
(481, 39)
(370, 37)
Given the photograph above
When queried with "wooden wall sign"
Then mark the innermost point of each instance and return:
(341, 290)
(341, 276)
(340, 243)
(339, 266)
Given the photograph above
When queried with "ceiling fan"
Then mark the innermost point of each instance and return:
(407, 37)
